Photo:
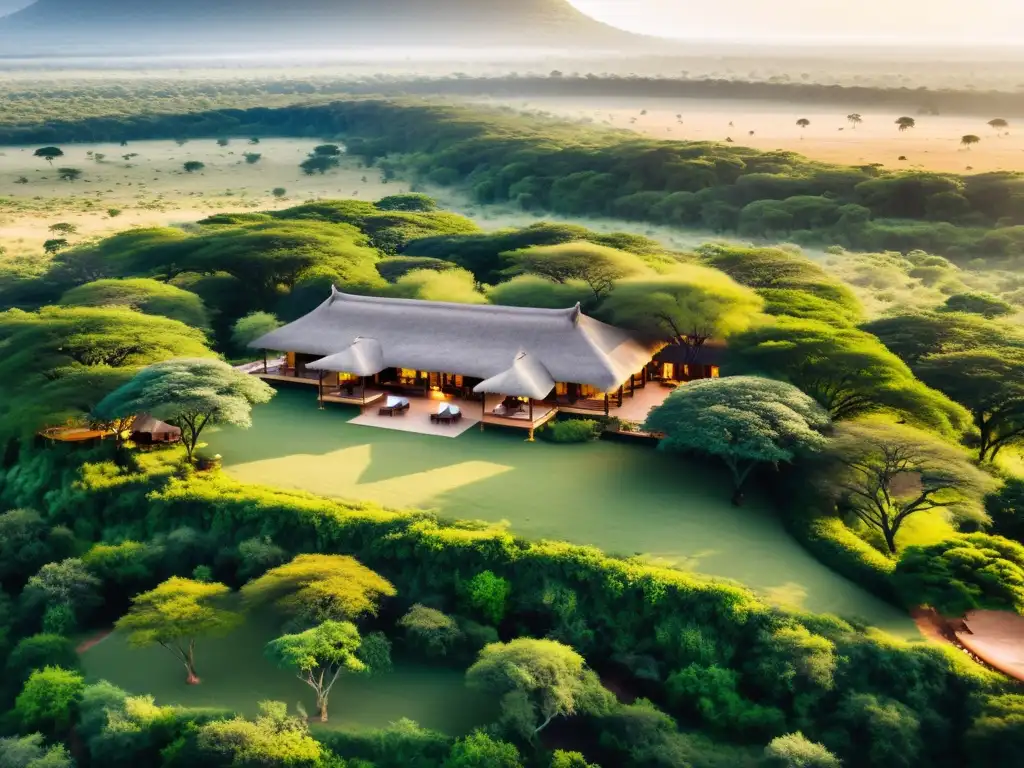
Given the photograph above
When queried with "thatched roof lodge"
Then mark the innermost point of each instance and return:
(354, 344)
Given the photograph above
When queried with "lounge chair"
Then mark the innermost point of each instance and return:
(394, 405)
(446, 414)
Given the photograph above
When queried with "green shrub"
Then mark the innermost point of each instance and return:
(488, 594)
(430, 632)
(571, 431)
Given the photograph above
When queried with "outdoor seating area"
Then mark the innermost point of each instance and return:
(394, 405)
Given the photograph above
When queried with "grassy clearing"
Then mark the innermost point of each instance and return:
(624, 499)
(235, 675)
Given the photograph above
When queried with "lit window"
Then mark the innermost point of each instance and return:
(714, 372)
(669, 371)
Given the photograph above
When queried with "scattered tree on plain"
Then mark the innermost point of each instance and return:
(905, 123)
(744, 420)
(63, 228)
(998, 124)
(69, 174)
(252, 157)
(319, 164)
(279, 192)
(191, 394)
(855, 119)
(318, 656)
(55, 245)
(175, 614)
(327, 150)
(192, 166)
(49, 154)
(885, 473)
(969, 140)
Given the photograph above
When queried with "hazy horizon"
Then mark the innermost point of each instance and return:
(799, 22)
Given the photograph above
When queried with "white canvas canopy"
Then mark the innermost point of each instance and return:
(526, 378)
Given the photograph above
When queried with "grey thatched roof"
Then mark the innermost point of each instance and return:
(482, 341)
(363, 357)
(148, 425)
(526, 378)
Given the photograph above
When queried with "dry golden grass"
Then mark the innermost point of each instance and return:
(933, 145)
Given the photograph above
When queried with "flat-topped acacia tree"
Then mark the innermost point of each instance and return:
(191, 394)
(49, 154)
(174, 614)
(319, 588)
(686, 306)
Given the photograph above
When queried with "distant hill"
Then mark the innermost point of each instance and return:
(138, 25)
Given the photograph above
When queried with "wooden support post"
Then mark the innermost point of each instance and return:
(620, 397)
(321, 390)
(264, 362)
(529, 438)
(632, 385)
(483, 409)
(606, 404)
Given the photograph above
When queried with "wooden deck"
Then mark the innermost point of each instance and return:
(292, 379)
(505, 421)
(370, 399)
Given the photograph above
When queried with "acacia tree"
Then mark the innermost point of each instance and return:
(320, 587)
(855, 119)
(596, 265)
(849, 372)
(193, 165)
(990, 384)
(189, 393)
(538, 680)
(803, 122)
(686, 307)
(969, 140)
(905, 123)
(318, 656)
(69, 174)
(744, 420)
(963, 574)
(885, 473)
(998, 124)
(49, 154)
(174, 614)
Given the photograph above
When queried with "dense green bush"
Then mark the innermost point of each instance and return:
(571, 431)
(616, 607)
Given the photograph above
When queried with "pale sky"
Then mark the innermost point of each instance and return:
(999, 22)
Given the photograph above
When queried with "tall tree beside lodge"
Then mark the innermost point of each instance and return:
(743, 420)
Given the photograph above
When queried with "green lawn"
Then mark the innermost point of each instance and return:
(626, 499)
(235, 675)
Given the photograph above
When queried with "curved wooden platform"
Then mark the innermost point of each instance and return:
(997, 638)
(74, 434)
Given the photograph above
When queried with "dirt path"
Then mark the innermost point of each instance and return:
(95, 640)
